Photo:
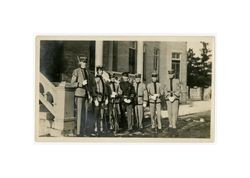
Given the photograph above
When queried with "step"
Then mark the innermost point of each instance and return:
(55, 132)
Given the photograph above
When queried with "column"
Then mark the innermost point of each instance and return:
(183, 75)
(98, 53)
(110, 58)
(140, 57)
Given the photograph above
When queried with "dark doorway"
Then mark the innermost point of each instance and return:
(51, 57)
(92, 56)
(132, 60)
(115, 56)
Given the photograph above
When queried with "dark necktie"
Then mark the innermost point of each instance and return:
(171, 87)
(85, 75)
(113, 85)
(137, 86)
(155, 88)
(86, 78)
(103, 91)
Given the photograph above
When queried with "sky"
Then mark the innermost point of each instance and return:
(196, 45)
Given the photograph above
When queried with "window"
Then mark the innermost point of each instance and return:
(176, 68)
(176, 55)
(156, 59)
(144, 65)
(132, 60)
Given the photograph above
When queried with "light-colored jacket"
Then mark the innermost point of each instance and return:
(151, 91)
(176, 90)
(141, 95)
(77, 79)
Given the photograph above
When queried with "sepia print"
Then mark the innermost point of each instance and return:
(125, 88)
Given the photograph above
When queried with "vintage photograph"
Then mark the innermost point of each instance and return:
(123, 88)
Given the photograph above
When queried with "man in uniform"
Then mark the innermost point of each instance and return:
(114, 108)
(140, 100)
(100, 101)
(172, 93)
(84, 83)
(154, 92)
(126, 91)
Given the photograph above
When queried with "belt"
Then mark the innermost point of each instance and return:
(155, 103)
(99, 93)
(80, 96)
(174, 99)
(113, 102)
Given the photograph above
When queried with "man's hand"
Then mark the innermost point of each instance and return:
(127, 100)
(85, 82)
(114, 94)
(144, 104)
(152, 97)
(90, 99)
(156, 95)
(106, 101)
(171, 98)
(96, 103)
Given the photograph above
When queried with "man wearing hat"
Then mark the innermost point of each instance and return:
(100, 100)
(172, 93)
(140, 100)
(154, 92)
(84, 83)
(126, 91)
(114, 109)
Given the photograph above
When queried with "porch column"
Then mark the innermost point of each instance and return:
(98, 53)
(140, 57)
(110, 62)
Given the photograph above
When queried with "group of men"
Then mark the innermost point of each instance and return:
(118, 105)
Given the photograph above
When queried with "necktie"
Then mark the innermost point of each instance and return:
(113, 85)
(137, 86)
(86, 78)
(171, 87)
(102, 88)
(155, 88)
(85, 73)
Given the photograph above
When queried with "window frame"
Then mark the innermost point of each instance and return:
(177, 72)
(156, 59)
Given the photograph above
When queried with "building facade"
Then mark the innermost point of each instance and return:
(142, 57)
(147, 57)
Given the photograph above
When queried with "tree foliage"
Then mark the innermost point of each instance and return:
(199, 68)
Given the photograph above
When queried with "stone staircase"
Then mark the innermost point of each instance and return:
(56, 108)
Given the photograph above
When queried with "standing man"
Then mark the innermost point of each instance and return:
(126, 91)
(114, 109)
(154, 92)
(140, 101)
(84, 83)
(100, 101)
(172, 93)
